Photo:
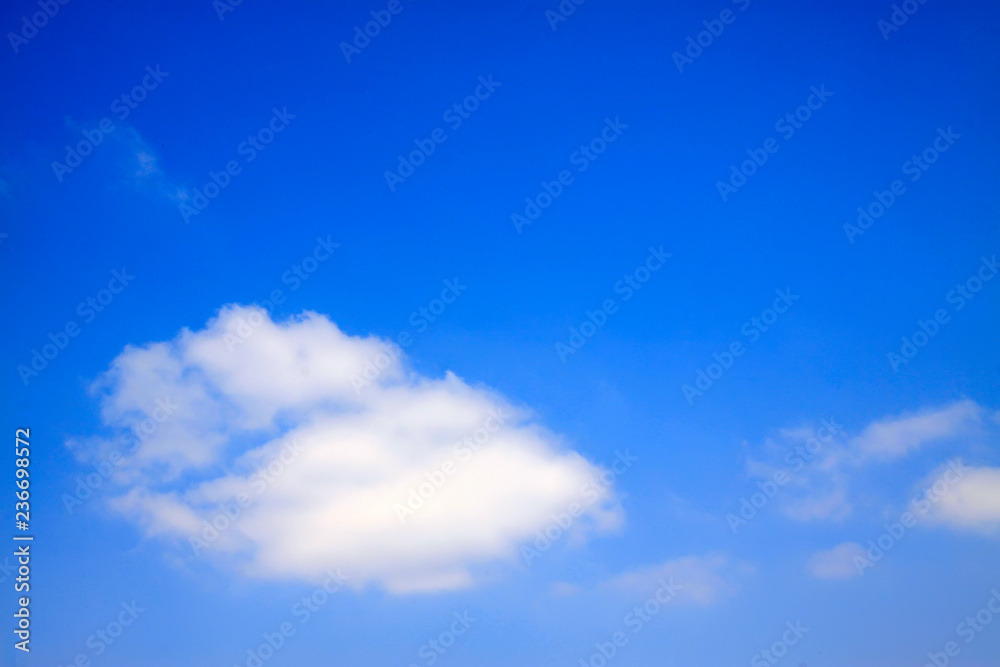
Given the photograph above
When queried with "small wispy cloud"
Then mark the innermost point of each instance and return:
(143, 164)
(147, 164)
(833, 505)
(562, 589)
(703, 579)
(837, 563)
(820, 472)
(895, 437)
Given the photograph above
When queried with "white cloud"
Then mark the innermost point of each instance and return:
(275, 416)
(896, 437)
(802, 464)
(970, 502)
(833, 505)
(822, 469)
(141, 162)
(562, 589)
(837, 563)
(146, 163)
(703, 579)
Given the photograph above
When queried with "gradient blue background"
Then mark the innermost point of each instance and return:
(323, 176)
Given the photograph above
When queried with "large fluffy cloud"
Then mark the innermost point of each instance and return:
(309, 449)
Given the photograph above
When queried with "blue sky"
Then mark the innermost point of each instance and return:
(586, 176)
